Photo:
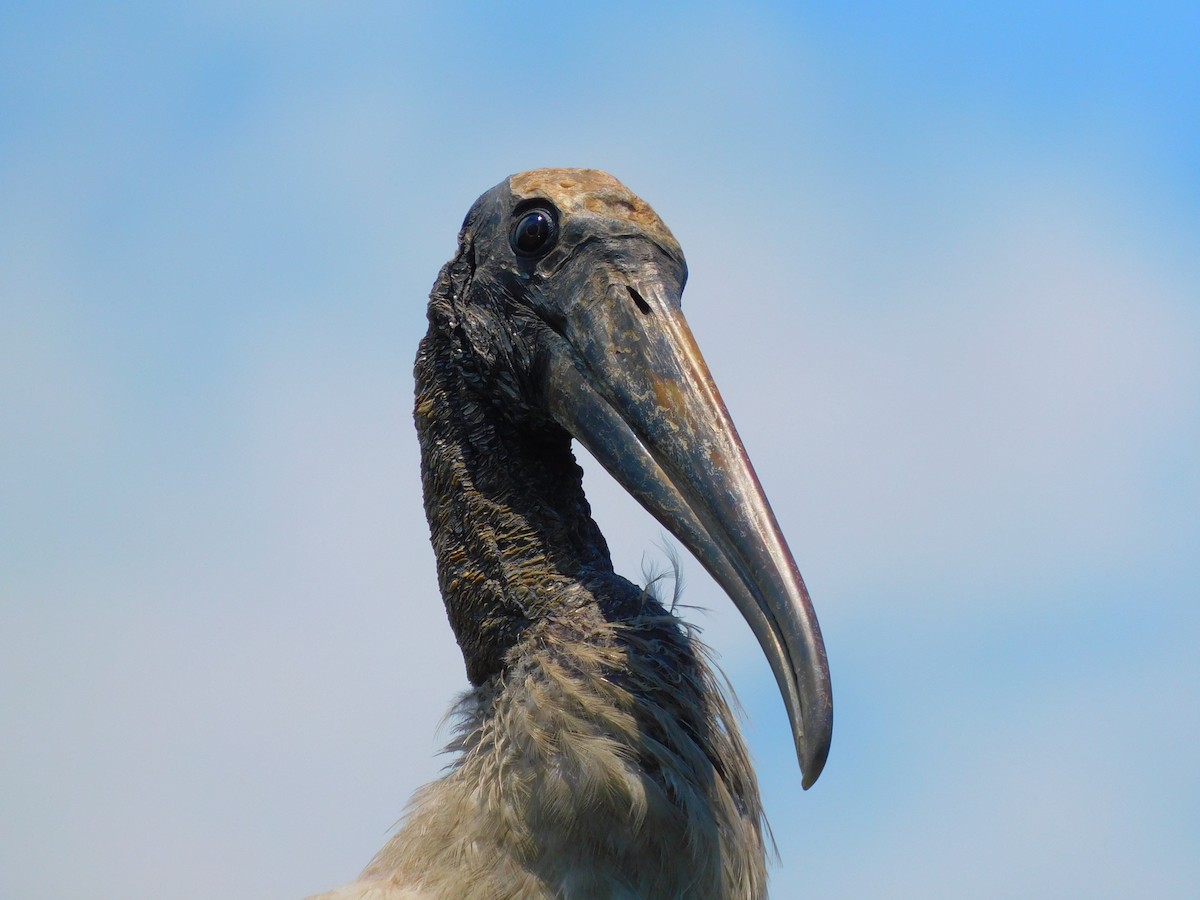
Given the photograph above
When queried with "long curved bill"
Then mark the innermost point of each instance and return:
(633, 388)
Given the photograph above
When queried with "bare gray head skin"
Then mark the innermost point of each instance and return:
(587, 329)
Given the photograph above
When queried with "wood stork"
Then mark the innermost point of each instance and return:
(595, 754)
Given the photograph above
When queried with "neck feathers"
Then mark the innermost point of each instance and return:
(603, 763)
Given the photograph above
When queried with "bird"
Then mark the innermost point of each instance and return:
(595, 753)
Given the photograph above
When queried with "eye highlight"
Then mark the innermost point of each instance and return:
(535, 233)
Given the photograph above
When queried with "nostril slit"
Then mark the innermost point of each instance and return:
(637, 299)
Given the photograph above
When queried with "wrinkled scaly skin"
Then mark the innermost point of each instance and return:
(595, 755)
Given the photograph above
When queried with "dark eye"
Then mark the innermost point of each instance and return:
(535, 233)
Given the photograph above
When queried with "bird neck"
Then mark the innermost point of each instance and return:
(510, 526)
(597, 756)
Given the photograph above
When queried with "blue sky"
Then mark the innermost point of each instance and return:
(943, 266)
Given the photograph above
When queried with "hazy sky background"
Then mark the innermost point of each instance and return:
(944, 265)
